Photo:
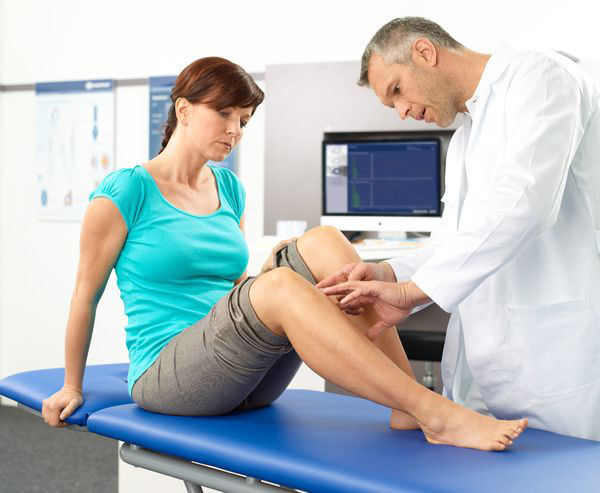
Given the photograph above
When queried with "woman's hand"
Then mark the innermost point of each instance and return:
(59, 406)
(270, 262)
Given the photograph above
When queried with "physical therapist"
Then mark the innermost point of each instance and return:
(516, 259)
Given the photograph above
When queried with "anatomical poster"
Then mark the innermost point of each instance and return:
(75, 134)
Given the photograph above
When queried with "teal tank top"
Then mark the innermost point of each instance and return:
(174, 265)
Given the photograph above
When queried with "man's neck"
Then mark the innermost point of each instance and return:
(467, 69)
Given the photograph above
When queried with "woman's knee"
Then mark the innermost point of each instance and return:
(279, 278)
(322, 235)
(325, 249)
(319, 244)
(276, 292)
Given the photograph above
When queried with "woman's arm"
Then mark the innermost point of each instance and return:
(103, 234)
(245, 274)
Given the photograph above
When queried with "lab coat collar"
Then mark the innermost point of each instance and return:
(494, 68)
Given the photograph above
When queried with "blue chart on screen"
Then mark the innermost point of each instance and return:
(400, 177)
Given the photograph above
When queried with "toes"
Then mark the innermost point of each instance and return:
(518, 426)
(515, 432)
(510, 435)
(505, 440)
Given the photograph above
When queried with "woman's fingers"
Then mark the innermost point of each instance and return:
(60, 405)
(51, 412)
(71, 407)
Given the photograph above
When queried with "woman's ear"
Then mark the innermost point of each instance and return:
(182, 109)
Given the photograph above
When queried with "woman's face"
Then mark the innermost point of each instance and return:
(214, 133)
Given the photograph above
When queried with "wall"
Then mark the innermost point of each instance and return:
(70, 39)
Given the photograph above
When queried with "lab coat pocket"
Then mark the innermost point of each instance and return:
(556, 348)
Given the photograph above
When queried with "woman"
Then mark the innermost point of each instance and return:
(203, 338)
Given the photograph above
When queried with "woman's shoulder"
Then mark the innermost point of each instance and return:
(126, 189)
(124, 175)
(124, 184)
(123, 180)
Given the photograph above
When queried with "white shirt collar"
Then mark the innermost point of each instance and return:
(494, 68)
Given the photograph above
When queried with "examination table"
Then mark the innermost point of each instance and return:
(310, 441)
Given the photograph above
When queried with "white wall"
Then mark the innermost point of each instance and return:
(69, 39)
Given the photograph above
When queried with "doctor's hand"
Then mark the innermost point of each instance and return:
(59, 406)
(356, 271)
(270, 262)
(392, 301)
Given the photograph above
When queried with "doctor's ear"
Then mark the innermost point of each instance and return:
(424, 53)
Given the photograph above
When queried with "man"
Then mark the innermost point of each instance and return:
(516, 260)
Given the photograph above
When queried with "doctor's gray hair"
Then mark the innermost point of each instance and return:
(393, 42)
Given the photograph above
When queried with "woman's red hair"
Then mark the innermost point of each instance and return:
(216, 82)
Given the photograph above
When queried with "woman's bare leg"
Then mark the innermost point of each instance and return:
(325, 250)
(339, 351)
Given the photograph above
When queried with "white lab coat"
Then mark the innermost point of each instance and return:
(516, 260)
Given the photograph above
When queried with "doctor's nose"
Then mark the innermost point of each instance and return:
(402, 108)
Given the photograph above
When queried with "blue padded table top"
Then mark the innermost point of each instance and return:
(103, 386)
(321, 442)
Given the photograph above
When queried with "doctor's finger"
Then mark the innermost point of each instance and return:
(360, 272)
(337, 277)
(354, 312)
(331, 280)
(360, 302)
(357, 298)
(377, 329)
(358, 289)
(342, 288)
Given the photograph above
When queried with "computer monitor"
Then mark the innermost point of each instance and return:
(383, 181)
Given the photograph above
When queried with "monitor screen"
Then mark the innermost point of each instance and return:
(398, 177)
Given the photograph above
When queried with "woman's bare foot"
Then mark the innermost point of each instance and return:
(402, 421)
(450, 424)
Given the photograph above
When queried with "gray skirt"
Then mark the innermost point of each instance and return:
(226, 361)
